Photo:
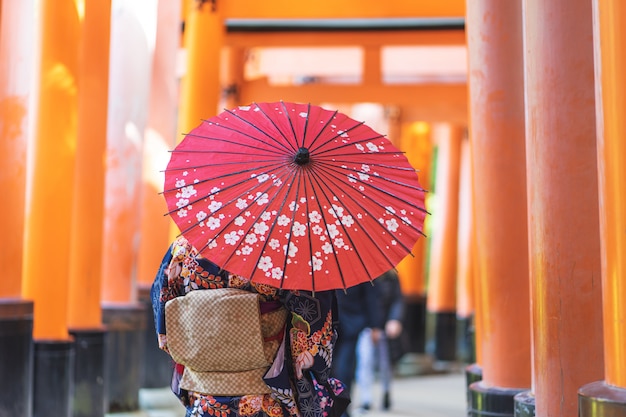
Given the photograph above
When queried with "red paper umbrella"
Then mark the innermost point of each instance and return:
(294, 196)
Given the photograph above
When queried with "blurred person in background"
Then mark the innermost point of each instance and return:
(373, 350)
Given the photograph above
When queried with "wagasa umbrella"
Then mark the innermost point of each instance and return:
(294, 196)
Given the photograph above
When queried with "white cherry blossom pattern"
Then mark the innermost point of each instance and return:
(248, 206)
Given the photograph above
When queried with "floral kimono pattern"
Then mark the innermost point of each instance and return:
(299, 378)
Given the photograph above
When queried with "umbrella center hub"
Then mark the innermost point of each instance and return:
(302, 157)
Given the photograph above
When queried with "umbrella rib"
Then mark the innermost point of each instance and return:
(293, 218)
(385, 208)
(248, 191)
(293, 130)
(230, 174)
(333, 167)
(308, 228)
(336, 161)
(314, 176)
(224, 140)
(232, 129)
(306, 124)
(222, 164)
(234, 217)
(330, 138)
(368, 234)
(319, 134)
(252, 225)
(336, 147)
(276, 127)
(330, 168)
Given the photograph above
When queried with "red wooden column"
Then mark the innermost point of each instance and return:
(200, 86)
(564, 235)
(160, 137)
(416, 142)
(494, 33)
(608, 396)
(133, 33)
(441, 300)
(17, 57)
(465, 259)
(84, 317)
(49, 206)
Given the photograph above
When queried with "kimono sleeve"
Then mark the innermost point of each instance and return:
(159, 286)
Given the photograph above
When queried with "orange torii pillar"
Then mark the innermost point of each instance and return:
(562, 183)
(608, 397)
(49, 208)
(494, 33)
(415, 141)
(84, 311)
(160, 137)
(233, 59)
(17, 56)
(441, 300)
(200, 84)
(133, 26)
(465, 260)
(200, 94)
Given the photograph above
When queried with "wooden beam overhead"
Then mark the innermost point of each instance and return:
(427, 102)
(333, 9)
(342, 38)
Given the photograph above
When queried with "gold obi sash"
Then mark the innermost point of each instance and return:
(223, 340)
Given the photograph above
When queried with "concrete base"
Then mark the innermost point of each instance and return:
(525, 404)
(53, 378)
(126, 325)
(491, 401)
(89, 399)
(16, 357)
(598, 399)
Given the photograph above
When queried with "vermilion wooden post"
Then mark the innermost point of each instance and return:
(49, 204)
(85, 279)
(465, 260)
(161, 135)
(415, 141)
(496, 105)
(200, 85)
(232, 76)
(84, 311)
(608, 396)
(564, 236)
(443, 253)
(17, 58)
(133, 33)
(49, 207)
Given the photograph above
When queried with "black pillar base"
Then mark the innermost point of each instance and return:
(598, 399)
(465, 337)
(525, 404)
(126, 325)
(445, 336)
(89, 373)
(54, 378)
(16, 357)
(157, 365)
(473, 373)
(491, 401)
(414, 333)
